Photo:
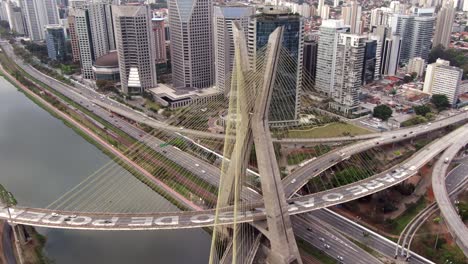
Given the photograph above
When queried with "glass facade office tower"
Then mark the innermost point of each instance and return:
(285, 99)
(55, 39)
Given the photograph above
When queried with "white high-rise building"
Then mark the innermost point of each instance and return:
(351, 15)
(326, 55)
(445, 19)
(443, 79)
(416, 65)
(428, 81)
(192, 55)
(348, 72)
(81, 40)
(380, 16)
(38, 14)
(223, 19)
(135, 48)
(325, 12)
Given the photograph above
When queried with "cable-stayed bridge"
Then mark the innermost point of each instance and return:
(179, 161)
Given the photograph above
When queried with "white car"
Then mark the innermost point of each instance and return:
(340, 258)
(197, 165)
(55, 214)
(202, 171)
(72, 216)
(322, 239)
(293, 180)
(326, 246)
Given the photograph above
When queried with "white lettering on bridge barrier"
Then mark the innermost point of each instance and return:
(38, 217)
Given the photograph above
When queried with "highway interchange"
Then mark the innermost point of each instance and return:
(211, 174)
(454, 223)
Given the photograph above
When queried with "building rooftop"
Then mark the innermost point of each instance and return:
(109, 60)
(185, 93)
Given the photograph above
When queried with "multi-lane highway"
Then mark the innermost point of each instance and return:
(362, 234)
(203, 218)
(454, 223)
(321, 235)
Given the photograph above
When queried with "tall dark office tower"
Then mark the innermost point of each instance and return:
(370, 57)
(310, 58)
(285, 100)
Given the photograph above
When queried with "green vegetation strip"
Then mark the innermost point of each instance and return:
(337, 129)
(316, 253)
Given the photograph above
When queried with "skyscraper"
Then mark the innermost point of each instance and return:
(416, 34)
(91, 33)
(32, 17)
(441, 78)
(285, 100)
(310, 58)
(223, 19)
(351, 15)
(38, 14)
(380, 16)
(135, 48)
(348, 72)
(190, 22)
(326, 55)
(159, 34)
(444, 25)
(55, 39)
(391, 51)
(370, 61)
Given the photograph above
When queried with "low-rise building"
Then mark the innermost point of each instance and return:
(107, 67)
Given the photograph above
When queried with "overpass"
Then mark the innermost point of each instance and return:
(457, 228)
(205, 218)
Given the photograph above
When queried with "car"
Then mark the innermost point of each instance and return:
(107, 221)
(164, 151)
(394, 137)
(67, 219)
(411, 132)
(293, 180)
(340, 258)
(55, 214)
(326, 246)
(429, 124)
(377, 143)
(181, 128)
(197, 165)
(405, 135)
(322, 239)
(72, 216)
(309, 229)
(202, 171)
(141, 135)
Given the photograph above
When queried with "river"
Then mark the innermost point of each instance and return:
(41, 158)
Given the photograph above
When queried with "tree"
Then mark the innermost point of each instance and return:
(105, 85)
(407, 79)
(383, 112)
(422, 110)
(440, 101)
